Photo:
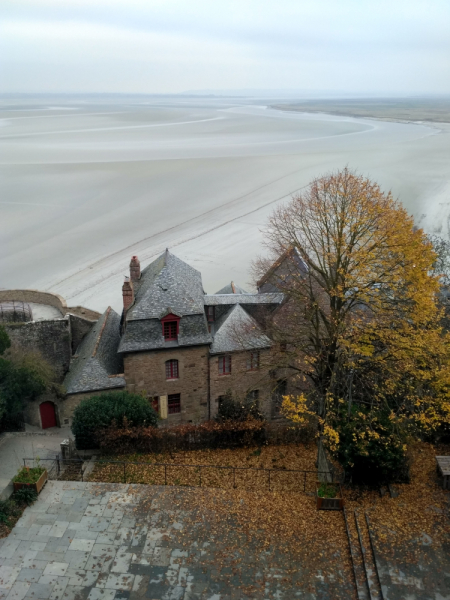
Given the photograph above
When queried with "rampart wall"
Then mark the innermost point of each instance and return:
(34, 296)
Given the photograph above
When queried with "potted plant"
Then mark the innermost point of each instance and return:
(329, 496)
(30, 477)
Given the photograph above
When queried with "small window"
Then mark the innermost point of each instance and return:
(210, 313)
(170, 330)
(225, 364)
(174, 404)
(253, 361)
(171, 369)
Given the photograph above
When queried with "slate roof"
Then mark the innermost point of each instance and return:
(96, 358)
(168, 282)
(232, 288)
(167, 285)
(281, 270)
(236, 330)
(217, 299)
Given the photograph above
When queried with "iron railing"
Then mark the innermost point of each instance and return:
(122, 472)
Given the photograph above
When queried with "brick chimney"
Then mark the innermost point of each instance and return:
(135, 269)
(127, 293)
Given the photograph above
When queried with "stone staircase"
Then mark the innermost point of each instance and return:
(364, 566)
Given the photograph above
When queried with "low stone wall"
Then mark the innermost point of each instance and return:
(34, 296)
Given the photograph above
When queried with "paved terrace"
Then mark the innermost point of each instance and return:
(91, 541)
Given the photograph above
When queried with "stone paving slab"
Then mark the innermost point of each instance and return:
(91, 541)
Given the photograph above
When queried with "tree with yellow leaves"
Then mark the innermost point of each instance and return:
(361, 324)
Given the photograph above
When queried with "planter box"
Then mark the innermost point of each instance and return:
(336, 503)
(37, 486)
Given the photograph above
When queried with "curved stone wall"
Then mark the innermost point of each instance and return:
(34, 296)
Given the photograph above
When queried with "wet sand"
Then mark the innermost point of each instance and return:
(83, 186)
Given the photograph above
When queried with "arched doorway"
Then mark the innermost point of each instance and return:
(48, 415)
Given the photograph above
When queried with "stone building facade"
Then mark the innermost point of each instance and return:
(181, 348)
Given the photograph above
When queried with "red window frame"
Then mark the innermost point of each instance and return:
(225, 364)
(170, 327)
(174, 403)
(172, 369)
(253, 361)
(210, 313)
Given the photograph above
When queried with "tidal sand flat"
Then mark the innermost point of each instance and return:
(84, 184)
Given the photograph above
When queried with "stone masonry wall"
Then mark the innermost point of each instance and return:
(50, 338)
(146, 372)
(79, 327)
(241, 381)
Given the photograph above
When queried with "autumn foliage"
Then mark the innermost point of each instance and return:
(361, 327)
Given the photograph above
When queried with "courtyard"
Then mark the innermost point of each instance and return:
(92, 541)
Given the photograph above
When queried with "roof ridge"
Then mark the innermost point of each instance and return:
(108, 311)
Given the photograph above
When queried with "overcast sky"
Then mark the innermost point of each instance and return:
(159, 46)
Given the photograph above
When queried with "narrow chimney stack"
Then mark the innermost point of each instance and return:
(127, 293)
(135, 269)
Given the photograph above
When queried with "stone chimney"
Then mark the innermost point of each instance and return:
(135, 269)
(127, 293)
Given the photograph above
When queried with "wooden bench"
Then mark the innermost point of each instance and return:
(443, 465)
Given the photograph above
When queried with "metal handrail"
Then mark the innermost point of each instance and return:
(165, 465)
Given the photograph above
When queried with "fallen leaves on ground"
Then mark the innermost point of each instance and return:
(227, 470)
(421, 507)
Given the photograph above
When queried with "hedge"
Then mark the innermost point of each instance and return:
(210, 434)
(94, 414)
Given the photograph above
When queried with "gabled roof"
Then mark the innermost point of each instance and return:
(236, 331)
(281, 268)
(218, 299)
(167, 285)
(167, 282)
(96, 358)
(232, 288)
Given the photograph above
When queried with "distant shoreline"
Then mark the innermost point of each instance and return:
(417, 115)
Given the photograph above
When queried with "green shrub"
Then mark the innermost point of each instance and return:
(328, 490)
(28, 474)
(8, 509)
(232, 408)
(99, 412)
(26, 495)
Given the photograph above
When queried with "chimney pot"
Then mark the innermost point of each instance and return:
(135, 269)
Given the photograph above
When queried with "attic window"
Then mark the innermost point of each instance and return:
(170, 330)
(170, 327)
(210, 313)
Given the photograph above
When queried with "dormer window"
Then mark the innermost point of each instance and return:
(170, 330)
(210, 314)
(170, 327)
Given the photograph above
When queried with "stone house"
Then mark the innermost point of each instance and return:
(180, 347)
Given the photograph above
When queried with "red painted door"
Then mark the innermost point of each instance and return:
(48, 415)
